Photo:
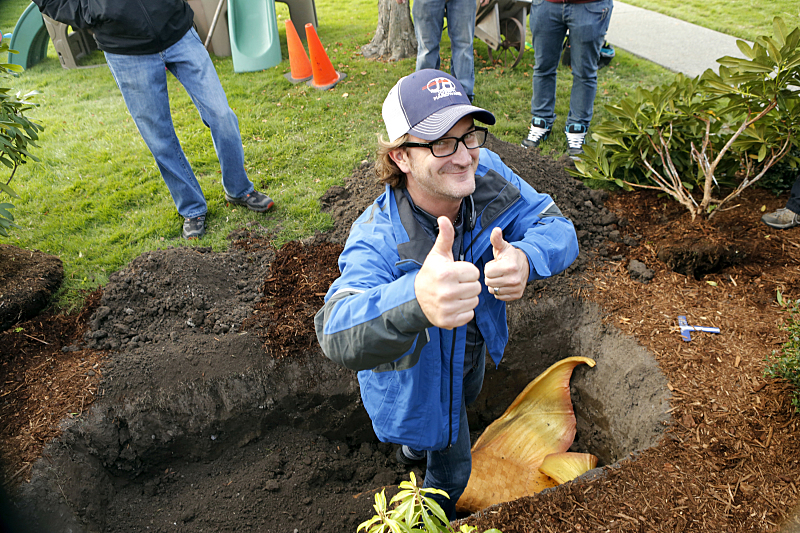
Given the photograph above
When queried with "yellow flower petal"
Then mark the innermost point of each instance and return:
(506, 458)
(563, 467)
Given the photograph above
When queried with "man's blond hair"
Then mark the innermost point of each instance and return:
(387, 170)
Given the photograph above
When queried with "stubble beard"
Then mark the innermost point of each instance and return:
(440, 185)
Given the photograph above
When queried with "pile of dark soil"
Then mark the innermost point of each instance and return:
(214, 409)
(28, 280)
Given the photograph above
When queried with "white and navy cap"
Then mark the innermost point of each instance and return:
(427, 104)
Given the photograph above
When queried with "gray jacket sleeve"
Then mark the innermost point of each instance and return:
(392, 341)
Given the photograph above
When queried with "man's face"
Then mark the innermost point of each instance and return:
(437, 179)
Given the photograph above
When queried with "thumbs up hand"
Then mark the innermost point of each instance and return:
(507, 275)
(447, 290)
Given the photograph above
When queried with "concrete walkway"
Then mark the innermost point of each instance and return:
(674, 44)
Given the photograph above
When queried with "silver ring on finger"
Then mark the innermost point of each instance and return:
(497, 291)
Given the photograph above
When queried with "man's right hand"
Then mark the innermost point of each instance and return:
(447, 290)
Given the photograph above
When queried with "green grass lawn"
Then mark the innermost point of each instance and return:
(96, 199)
(747, 19)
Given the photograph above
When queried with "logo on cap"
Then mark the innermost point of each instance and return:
(442, 88)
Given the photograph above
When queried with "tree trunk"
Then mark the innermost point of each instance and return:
(394, 37)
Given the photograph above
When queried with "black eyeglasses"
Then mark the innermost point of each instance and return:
(447, 146)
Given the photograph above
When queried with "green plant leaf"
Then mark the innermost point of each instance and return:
(430, 525)
(762, 153)
(397, 527)
(792, 61)
(5, 213)
(754, 67)
(368, 524)
(745, 48)
(779, 28)
(8, 190)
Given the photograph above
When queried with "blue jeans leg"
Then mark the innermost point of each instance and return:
(449, 469)
(587, 25)
(793, 204)
(428, 24)
(547, 34)
(461, 30)
(143, 83)
(587, 31)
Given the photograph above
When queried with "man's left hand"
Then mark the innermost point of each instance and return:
(507, 275)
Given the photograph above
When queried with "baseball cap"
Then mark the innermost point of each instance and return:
(427, 104)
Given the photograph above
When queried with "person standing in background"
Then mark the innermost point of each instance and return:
(587, 22)
(141, 40)
(789, 216)
(429, 18)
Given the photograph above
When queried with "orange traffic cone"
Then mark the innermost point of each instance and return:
(325, 77)
(298, 59)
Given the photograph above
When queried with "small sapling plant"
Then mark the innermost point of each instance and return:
(413, 511)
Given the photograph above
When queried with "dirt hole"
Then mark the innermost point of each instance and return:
(287, 444)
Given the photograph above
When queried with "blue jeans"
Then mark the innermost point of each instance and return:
(449, 469)
(142, 79)
(428, 24)
(793, 204)
(587, 24)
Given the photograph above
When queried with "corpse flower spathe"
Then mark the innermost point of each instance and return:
(507, 457)
(566, 466)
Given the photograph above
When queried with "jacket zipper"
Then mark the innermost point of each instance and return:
(450, 407)
(453, 347)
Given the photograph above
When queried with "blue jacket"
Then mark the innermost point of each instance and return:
(410, 371)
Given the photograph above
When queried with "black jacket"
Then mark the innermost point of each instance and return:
(127, 27)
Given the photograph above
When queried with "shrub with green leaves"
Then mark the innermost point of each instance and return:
(17, 133)
(704, 140)
(786, 364)
(415, 512)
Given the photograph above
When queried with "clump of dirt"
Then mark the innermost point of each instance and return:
(171, 312)
(28, 280)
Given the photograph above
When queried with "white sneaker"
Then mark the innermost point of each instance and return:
(576, 137)
(539, 132)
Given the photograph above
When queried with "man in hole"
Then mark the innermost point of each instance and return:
(427, 271)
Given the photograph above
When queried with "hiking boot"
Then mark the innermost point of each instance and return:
(255, 201)
(194, 228)
(781, 219)
(407, 456)
(539, 132)
(576, 137)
